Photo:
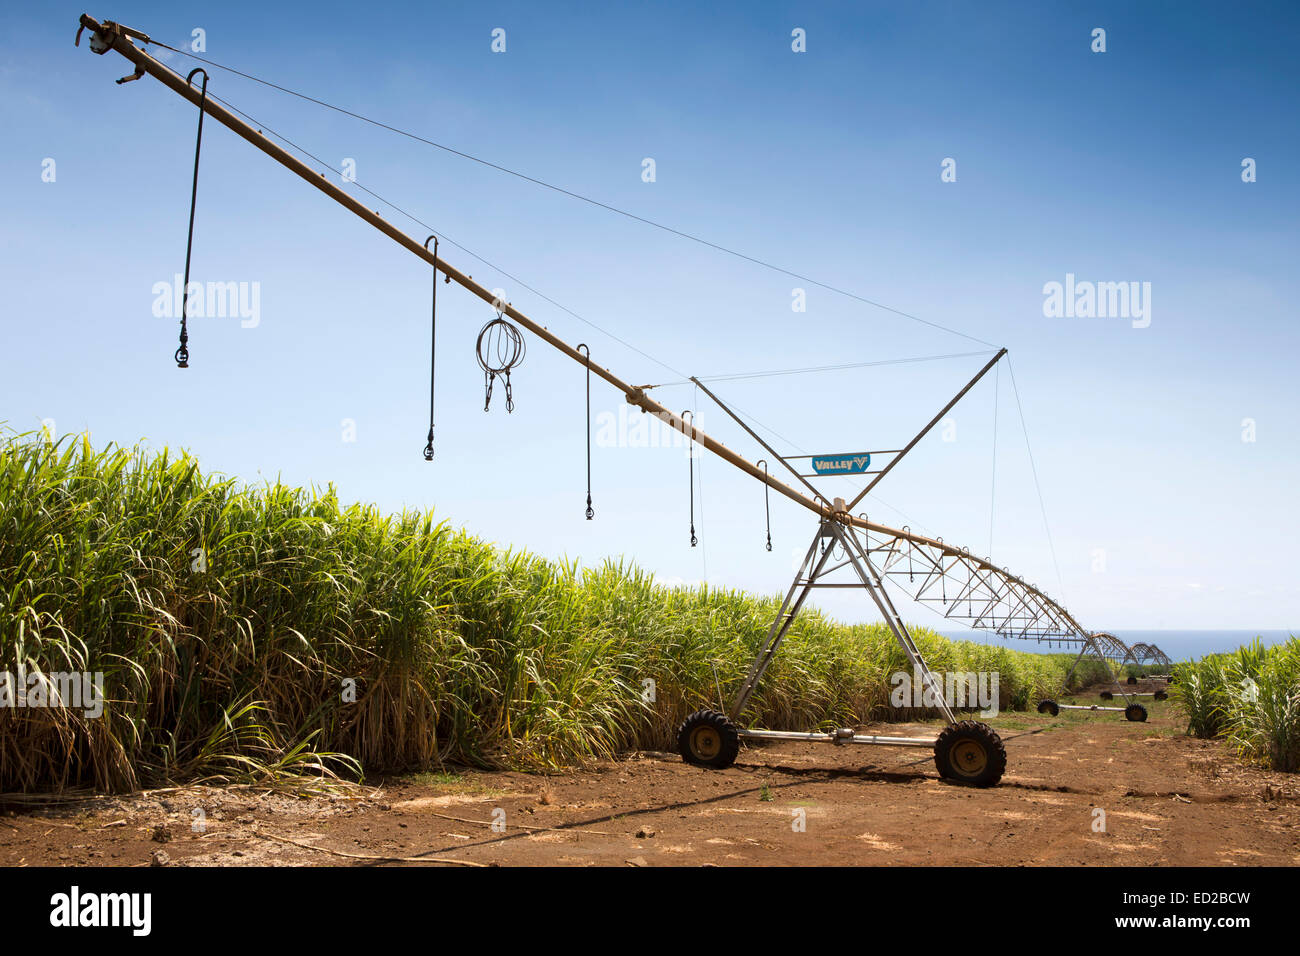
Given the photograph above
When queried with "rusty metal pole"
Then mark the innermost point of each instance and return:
(120, 41)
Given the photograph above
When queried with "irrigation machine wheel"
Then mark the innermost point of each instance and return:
(1107, 695)
(1161, 695)
(970, 752)
(708, 739)
(1049, 707)
(1135, 712)
(1132, 680)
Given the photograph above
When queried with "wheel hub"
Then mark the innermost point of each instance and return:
(705, 743)
(969, 757)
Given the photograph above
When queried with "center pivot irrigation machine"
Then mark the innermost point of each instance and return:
(863, 553)
(1142, 656)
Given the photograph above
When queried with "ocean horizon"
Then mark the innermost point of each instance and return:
(1180, 645)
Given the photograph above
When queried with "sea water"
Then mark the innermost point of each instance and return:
(1179, 645)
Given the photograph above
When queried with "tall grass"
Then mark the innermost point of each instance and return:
(248, 632)
(1250, 697)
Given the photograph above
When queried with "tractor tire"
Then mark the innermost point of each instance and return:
(708, 739)
(1048, 707)
(1136, 713)
(971, 753)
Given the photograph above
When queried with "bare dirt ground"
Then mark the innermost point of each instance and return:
(1168, 800)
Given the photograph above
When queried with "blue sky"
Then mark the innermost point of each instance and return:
(1115, 166)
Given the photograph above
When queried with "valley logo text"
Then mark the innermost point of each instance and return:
(75, 908)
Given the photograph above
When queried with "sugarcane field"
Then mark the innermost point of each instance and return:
(441, 443)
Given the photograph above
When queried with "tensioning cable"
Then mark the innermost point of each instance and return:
(993, 480)
(575, 195)
(1060, 581)
(769, 373)
(182, 355)
(690, 457)
(290, 144)
(586, 351)
(433, 346)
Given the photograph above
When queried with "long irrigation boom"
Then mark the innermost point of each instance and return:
(965, 587)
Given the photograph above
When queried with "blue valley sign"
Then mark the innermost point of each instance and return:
(841, 464)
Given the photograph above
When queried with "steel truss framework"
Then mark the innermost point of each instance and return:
(970, 590)
(962, 586)
(1141, 655)
(967, 751)
(835, 547)
(1145, 655)
(1108, 649)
